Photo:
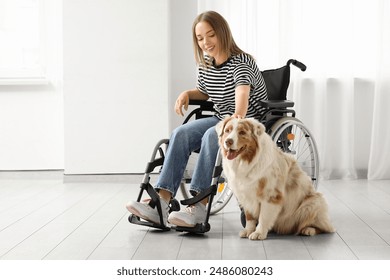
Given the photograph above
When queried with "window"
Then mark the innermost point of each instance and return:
(22, 55)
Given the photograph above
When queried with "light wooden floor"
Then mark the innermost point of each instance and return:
(44, 215)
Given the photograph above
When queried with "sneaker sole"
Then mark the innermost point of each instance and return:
(178, 222)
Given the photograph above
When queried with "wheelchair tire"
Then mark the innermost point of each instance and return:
(291, 135)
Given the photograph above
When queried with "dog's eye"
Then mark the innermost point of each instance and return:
(227, 130)
(242, 133)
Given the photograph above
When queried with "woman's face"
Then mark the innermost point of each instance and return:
(208, 41)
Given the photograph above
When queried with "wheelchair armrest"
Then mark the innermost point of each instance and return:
(205, 105)
(276, 103)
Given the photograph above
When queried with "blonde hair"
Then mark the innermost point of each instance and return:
(222, 32)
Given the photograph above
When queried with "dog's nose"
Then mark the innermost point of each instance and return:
(229, 142)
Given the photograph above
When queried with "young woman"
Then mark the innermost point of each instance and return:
(231, 79)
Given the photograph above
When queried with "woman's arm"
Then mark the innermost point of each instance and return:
(184, 99)
(242, 101)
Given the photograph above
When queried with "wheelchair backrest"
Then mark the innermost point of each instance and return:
(277, 82)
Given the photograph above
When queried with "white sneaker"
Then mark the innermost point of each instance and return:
(144, 211)
(190, 216)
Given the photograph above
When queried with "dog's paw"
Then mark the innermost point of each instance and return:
(245, 233)
(309, 231)
(257, 235)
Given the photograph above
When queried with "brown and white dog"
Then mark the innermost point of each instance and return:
(270, 186)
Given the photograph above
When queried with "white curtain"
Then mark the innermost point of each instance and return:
(344, 96)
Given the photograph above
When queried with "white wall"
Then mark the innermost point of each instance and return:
(115, 84)
(31, 127)
(182, 62)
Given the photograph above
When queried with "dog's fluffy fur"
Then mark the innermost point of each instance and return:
(270, 186)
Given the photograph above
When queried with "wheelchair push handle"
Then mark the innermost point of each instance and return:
(297, 63)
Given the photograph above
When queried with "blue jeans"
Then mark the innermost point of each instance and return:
(189, 137)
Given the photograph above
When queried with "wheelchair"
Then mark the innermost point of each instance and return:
(287, 131)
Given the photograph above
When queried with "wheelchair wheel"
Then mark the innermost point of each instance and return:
(223, 196)
(294, 138)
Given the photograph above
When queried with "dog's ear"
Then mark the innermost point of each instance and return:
(258, 127)
(221, 126)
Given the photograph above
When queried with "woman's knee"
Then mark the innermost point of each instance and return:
(210, 140)
(210, 136)
(181, 132)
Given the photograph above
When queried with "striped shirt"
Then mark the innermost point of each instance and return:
(219, 83)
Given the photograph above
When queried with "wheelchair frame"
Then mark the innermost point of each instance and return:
(281, 124)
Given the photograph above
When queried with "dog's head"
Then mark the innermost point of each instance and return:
(239, 137)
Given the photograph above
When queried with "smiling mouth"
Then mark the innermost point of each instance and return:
(232, 154)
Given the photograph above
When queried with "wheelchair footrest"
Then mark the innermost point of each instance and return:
(137, 220)
(198, 228)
